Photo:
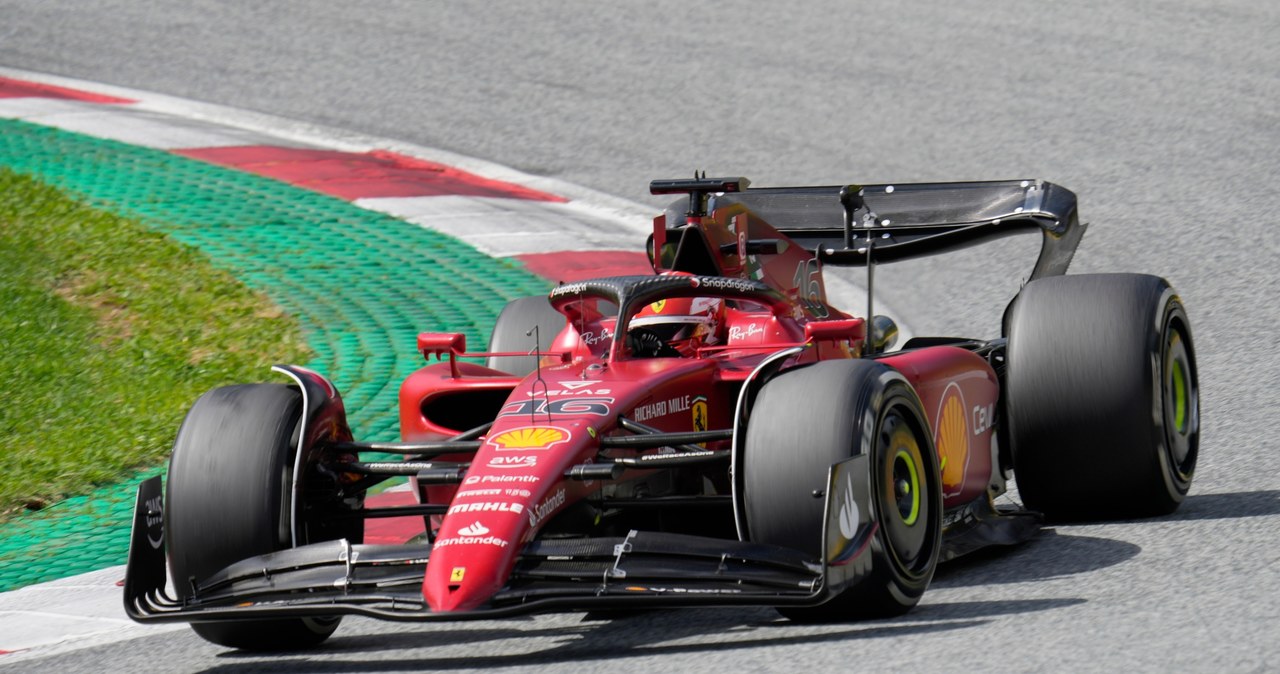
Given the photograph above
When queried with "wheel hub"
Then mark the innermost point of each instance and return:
(904, 508)
(1181, 401)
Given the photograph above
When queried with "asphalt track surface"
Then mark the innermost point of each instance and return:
(1160, 115)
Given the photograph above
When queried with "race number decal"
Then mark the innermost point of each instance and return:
(809, 291)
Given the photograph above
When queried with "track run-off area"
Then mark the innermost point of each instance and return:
(1161, 117)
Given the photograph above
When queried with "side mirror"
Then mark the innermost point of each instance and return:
(852, 329)
(444, 345)
(441, 343)
(884, 333)
(660, 260)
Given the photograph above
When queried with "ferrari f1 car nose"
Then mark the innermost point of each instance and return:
(468, 564)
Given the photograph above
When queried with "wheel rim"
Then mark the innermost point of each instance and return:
(1181, 403)
(1179, 377)
(904, 502)
(906, 487)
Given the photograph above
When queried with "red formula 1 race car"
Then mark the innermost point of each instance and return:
(713, 434)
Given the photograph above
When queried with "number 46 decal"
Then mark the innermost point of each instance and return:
(809, 291)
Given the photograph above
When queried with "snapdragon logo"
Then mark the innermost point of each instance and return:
(725, 283)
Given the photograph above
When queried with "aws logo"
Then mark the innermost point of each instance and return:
(952, 439)
(530, 437)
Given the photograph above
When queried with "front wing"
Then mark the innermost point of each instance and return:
(641, 570)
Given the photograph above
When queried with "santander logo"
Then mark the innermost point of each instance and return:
(476, 529)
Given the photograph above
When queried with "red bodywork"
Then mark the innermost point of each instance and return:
(551, 421)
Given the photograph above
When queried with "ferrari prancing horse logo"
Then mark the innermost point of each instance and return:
(700, 413)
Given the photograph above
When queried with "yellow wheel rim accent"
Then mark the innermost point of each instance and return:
(913, 486)
(1178, 375)
(1179, 397)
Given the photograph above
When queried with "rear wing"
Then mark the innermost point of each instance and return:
(910, 220)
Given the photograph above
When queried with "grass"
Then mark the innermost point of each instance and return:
(108, 332)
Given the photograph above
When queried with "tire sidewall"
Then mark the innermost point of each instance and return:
(844, 415)
(261, 508)
(228, 498)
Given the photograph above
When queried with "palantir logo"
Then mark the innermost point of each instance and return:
(476, 529)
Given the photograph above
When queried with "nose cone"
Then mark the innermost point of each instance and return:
(473, 555)
(514, 484)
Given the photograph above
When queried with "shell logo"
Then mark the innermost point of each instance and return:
(530, 437)
(952, 440)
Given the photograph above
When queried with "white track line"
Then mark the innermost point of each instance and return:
(68, 614)
(288, 132)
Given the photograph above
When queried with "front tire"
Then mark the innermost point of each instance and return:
(1102, 397)
(804, 421)
(228, 498)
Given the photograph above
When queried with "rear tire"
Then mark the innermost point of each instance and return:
(228, 498)
(804, 421)
(513, 331)
(1102, 397)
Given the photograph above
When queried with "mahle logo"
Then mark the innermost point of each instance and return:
(530, 437)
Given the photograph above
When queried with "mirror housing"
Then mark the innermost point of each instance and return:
(852, 329)
(884, 333)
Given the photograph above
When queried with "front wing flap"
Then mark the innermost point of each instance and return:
(642, 569)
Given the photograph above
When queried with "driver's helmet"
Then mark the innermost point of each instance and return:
(684, 323)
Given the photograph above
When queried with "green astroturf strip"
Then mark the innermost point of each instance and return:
(362, 284)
